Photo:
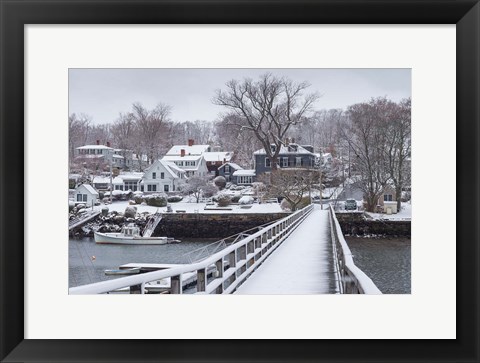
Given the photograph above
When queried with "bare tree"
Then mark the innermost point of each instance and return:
(269, 107)
(149, 126)
(366, 136)
(78, 129)
(398, 146)
(292, 184)
(197, 187)
(241, 141)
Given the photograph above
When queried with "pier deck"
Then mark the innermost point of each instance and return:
(303, 264)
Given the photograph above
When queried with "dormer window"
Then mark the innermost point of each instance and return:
(273, 147)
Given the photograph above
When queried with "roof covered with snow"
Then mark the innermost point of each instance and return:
(94, 147)
(233, 165)
(290, 149)
(189, 150)
(182, 158)
(218, 156)
(89, 188)
(244, 172)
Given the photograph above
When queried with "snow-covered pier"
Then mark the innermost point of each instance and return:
(303, 264)
(303, 253)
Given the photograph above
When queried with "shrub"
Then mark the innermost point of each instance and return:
(174, 199)
(220, 182)
(223, 200)
(156, 200)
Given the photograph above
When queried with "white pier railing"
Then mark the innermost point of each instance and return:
(353, 280)
(221, 273)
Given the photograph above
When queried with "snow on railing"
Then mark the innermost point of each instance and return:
(353, 280)
(221, 273)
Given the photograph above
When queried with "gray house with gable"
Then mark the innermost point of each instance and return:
(290, 156)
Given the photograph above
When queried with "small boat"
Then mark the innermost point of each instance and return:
(125, 271)
(130, 235)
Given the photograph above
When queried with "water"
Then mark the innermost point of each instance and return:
(84, 269)
(387, 261)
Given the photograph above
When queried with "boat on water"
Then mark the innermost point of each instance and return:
(130, 235)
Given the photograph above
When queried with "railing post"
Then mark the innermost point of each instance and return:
(136, 289)
(219, 267)
(201, 279)
(176, 284)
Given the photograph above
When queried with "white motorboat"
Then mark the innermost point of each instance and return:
(130, 235)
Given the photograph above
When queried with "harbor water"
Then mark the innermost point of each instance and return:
(88, 260)
(387, 261)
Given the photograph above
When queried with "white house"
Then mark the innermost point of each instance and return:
(163, 176)
(86, 194)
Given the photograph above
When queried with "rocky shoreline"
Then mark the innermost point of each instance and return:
(108, 221)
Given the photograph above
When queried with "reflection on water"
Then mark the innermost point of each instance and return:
(387, 261)
(88, 260)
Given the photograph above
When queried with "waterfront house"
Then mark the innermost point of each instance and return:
(86, 194)
(244, 177)
(291, 155)
(163, 176)
(388, 201)
(226, 170)
(189, 158)
(215, 159)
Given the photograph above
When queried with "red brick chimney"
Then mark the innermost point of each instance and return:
(190, 142)
(98, 142)
(182, 152)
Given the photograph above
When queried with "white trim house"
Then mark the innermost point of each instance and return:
(162, 176)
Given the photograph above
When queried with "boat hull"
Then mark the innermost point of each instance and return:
(120, 239)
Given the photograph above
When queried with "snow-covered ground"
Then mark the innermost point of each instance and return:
(404, 215)
(188, 207)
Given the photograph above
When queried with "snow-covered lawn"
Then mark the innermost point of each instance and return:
(404, 215)
(120, 206)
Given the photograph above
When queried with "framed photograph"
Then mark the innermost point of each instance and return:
(413, 61)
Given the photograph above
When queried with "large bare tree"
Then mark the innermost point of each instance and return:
(269, 106)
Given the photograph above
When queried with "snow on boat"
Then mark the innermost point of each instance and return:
(130, 235)
(125, 271)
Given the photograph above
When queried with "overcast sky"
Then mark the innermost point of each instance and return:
(105, 93)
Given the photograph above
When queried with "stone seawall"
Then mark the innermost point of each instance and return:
(355, 224)
(198, 225)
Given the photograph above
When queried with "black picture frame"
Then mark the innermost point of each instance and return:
(15, 14)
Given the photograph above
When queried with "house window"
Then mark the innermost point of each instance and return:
(154, 175)
(151, 187)
(165, 188)
(84, 197)
(162, 175)
(298, 161)
(244, 180)
(227, 169)
(79, 197)
(132, 185)
(285, 162)
(387, 197)
(268, 163)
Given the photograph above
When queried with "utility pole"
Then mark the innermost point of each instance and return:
(111, 182)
